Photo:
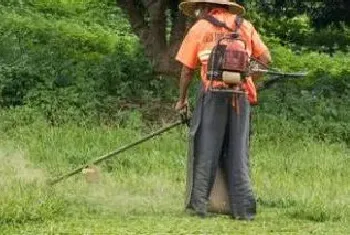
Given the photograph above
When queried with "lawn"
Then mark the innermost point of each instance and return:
(302, 185)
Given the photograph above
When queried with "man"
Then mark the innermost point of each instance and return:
(219, 134)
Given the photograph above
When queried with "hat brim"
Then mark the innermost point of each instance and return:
(188, 8)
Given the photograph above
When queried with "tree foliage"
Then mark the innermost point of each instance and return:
(316, 25)
(71, 61)
(74, 61)
(322, 13)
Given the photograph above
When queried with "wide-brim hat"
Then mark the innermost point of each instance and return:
(188, 7)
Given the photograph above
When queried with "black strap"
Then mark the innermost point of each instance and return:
(238, 22)
(211, 19)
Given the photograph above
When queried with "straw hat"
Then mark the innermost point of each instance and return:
(189, 6)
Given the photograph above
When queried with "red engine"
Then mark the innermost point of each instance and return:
(236, 58)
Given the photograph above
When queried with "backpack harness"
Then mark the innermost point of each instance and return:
(228, 62)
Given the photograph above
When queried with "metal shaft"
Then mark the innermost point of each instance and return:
(279, 73)
(111, 154)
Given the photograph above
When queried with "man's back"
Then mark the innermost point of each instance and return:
(202, 38)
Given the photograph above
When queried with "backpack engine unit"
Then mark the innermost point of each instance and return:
(229, 60)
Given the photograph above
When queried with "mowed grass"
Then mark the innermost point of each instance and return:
(302, 186)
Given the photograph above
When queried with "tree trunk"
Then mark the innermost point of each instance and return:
(148, 19)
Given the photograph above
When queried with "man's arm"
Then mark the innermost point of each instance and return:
(188, 57)
(186, 76)
(259, 51)
(265, 59)
(185, 80)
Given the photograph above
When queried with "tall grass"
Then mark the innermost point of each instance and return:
(301, 182)
(292, 174)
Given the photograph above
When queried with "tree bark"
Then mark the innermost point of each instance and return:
(148, 20)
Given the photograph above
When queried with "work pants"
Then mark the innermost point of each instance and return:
(219, 137)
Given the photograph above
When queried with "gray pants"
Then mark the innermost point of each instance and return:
(219, 137)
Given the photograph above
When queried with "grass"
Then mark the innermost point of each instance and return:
(302, 185)
(178, 223)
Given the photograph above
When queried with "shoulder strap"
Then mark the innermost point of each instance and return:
(211, 19)
(238, 22)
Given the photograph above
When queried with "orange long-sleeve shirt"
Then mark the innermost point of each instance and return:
(202, 37)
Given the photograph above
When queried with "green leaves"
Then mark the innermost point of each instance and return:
(69, 59)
